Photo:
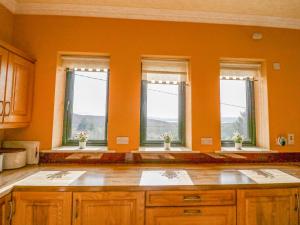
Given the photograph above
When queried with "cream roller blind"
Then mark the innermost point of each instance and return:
(85, 63)
(239, 71)
(164, 71)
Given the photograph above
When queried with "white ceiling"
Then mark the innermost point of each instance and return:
(273, 13)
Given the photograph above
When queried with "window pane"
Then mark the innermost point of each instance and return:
(89, 104)
(234, 116)
(162, 111)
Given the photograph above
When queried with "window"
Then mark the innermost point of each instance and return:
(163, 101)
(86, 100)
(237, 102)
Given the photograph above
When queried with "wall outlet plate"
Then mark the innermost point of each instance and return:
(276, 66)
(291, 139)
(257, 36)
(122, 140)
(207, 141)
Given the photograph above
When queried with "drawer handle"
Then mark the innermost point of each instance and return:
(192, 198)
(191, 211)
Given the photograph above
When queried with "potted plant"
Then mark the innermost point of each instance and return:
(238, 140)
(167, 140)
(82, 137)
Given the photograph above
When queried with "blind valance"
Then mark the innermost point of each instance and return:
(164, 71)
(83, 63)
(239, 71)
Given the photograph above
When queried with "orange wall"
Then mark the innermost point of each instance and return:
(126, 40)
(6, 24)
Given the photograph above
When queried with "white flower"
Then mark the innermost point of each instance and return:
(82, 136)
(167, 137)
(237, 137)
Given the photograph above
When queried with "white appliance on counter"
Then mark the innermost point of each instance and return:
(32, 149)
(13, 158)
(1, 162)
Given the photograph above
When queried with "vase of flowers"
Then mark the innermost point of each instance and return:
(82, 137)
(238, 140)
(167, 140)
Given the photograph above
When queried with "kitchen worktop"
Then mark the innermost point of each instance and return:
(149, 177)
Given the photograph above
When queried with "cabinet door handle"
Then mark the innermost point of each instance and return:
(13, 207)
(296, 202)
(1, 108)
(6, 112)
(10, 211)
(76, 208)
(191, 211)
(192, 198)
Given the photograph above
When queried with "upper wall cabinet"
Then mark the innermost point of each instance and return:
(16, 88)
(3, 69)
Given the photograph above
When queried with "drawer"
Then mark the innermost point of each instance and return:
(191, 198)
(204, 215)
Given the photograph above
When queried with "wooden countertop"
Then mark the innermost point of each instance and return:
(149, 177)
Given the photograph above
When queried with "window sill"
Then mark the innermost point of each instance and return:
(162, 150)
(245, 150)
(75, 149)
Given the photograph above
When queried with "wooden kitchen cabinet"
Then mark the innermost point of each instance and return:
(205, 207)
(3, 69)
(191, 198)
(16, 83)
(5, 210)
(19, 89)
(42, 208)
(267, 207)
(108, 208)
(206, 215)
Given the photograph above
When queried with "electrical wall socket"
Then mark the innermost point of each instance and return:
(122, 140)
(276, 66)
(291, 139)
(206, 141)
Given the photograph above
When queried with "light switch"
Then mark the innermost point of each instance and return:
(206, 141)
(291, 139)
(276, 66)
(122, 140)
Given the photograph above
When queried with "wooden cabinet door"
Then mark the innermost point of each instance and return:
(42, 208)
(208, 215)
(267, 207)
(108, 208)
(19, 90)
(5, 210)
(3, 70)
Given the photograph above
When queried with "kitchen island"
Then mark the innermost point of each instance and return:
(151, 194)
